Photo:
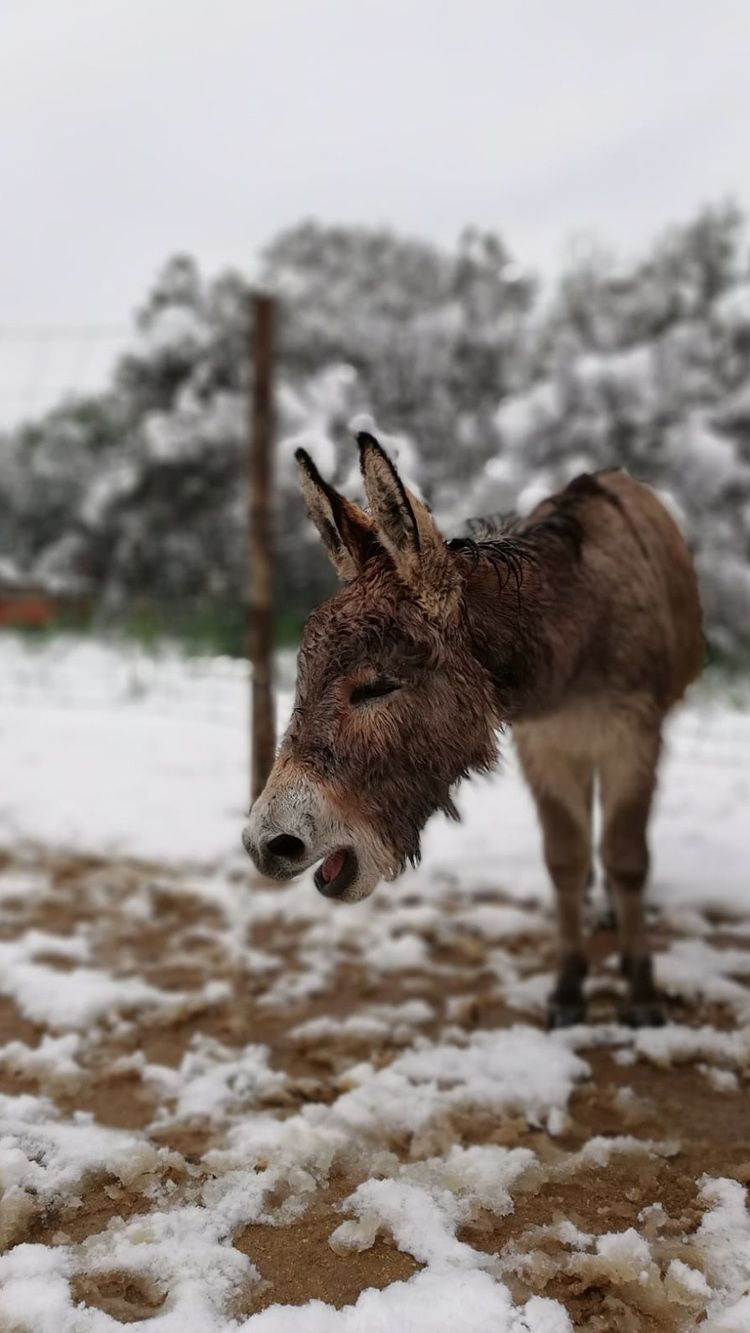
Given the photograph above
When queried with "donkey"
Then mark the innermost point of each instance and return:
(580, 626)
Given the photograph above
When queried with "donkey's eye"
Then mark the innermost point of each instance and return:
(374, 689)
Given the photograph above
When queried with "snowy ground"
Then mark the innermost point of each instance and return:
(225, 1104)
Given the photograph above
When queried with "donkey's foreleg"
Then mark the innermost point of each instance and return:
(628, 779)
(562, 791)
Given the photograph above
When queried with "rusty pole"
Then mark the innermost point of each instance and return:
(263, 736)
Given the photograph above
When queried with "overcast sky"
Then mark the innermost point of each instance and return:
(130, 129)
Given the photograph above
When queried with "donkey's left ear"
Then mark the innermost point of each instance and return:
(349, 535)
(406, 527)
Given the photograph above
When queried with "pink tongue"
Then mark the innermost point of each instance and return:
(332, 866)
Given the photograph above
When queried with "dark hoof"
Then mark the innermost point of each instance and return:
(648, 1014)
(565, 1015)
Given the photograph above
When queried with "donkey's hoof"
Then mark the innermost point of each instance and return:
(565, 1015)
(647, 1014)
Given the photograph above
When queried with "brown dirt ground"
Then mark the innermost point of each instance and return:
(176, 947)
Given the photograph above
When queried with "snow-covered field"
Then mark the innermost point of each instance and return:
(225, 1104)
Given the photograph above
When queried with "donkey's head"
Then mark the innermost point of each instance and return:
(391, 707)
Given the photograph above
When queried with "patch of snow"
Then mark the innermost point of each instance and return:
(44, 1158)
(676, 1043)
(518, 1070)
(430, 1302)
(212, 1080)
(394, 1021)
(723, 1243)
(83, 995)
(421, 1208)
(694, 969)
(689, 1279)
(55, 1061)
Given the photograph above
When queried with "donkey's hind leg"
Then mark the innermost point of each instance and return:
(562, 788)
(628, 778)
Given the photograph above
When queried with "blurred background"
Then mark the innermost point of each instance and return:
(514, 235)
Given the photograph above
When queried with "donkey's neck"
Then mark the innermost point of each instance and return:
(527, 627)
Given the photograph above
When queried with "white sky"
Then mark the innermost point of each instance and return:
(130, 129)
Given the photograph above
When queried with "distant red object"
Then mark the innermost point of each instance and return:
(30, 602)
(29, 608)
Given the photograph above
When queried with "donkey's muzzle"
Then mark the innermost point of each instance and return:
(280, 856)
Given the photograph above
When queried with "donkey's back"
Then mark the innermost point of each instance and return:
(632, 595)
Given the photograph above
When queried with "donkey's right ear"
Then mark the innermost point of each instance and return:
(349, 534)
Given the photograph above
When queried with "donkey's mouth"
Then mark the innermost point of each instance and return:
(337, 872)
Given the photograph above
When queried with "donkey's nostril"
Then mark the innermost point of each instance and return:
(286, 845)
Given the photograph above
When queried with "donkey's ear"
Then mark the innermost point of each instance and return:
(405, 525)
(349, 534)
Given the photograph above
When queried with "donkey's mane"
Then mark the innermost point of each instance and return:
(509, 541)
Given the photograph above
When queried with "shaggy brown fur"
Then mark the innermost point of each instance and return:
(580, 626)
